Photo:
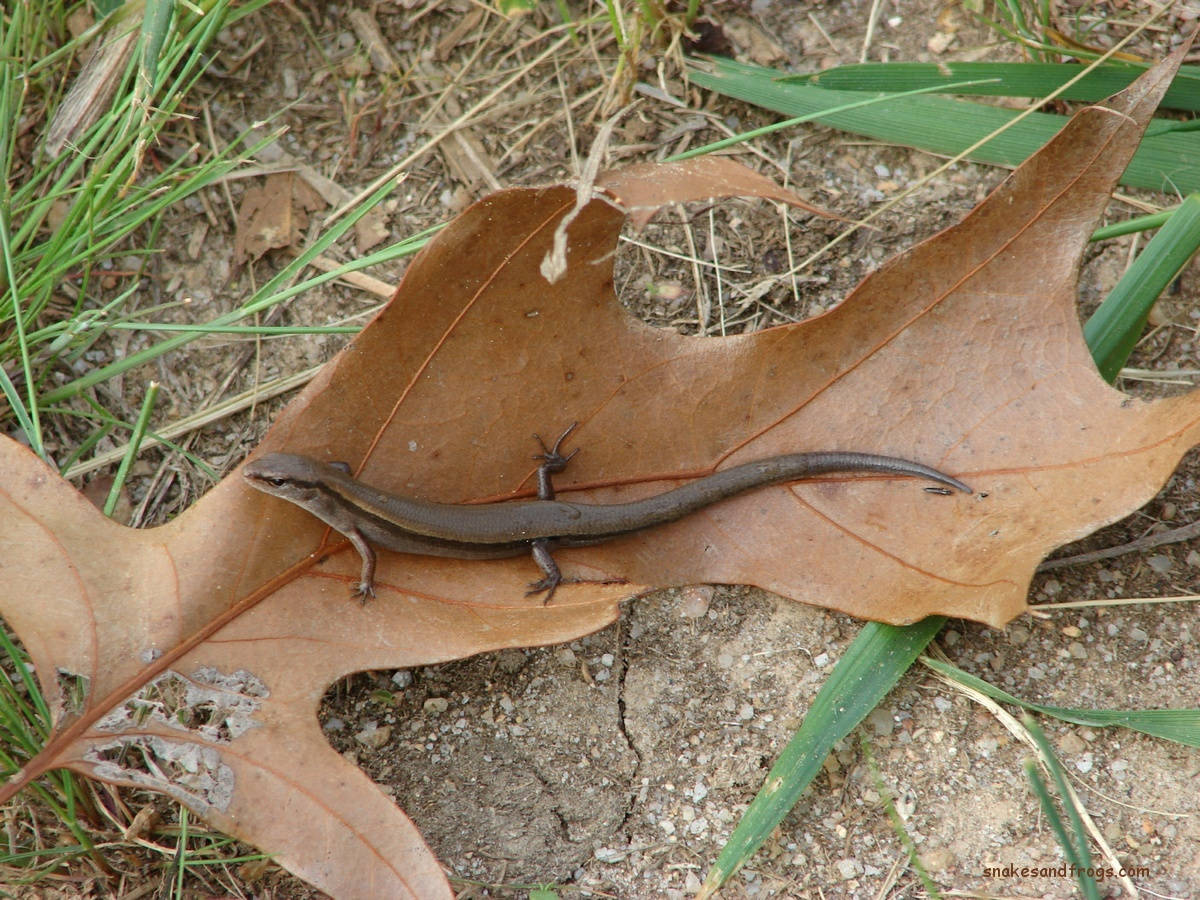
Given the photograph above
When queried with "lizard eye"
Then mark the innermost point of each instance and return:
(277, 482)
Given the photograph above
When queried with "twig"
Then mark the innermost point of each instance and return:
(1173, 536)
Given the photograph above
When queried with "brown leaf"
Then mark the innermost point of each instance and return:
(273, 216)
(204, 646)
(92, 91)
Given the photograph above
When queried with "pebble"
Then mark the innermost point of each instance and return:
(510, 661)
(609, 854)
(1071, 743)
(938, 859)
(373, 736)
(1160, 564)
(881, 722)
(848, 868)
(565, 657)
(695, 601)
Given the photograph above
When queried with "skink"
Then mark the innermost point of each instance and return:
(367, 516)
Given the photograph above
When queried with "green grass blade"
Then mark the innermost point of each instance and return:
(898, 825)
(135, 443)
(269, 294)
(1115, 328)
(1002, 80)
(1129, 226)
(786, 123)
(156, 25)
(26, 412)
(872, 664)
(1179, 725)
(1167, 159)
(1075, 842)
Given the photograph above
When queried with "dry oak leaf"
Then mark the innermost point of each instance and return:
(273, 215)
(202, 648)
(964, 353)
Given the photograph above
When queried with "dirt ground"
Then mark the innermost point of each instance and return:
(618, 764)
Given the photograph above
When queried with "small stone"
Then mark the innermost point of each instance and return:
(510, 661)
(609, 854)
(565, 657)
(1071, 743)
(848, 868)
(940, 42)
(906, 804)
(881, 722)
(402, 678)
(436, 705)
(372, 736)
(1077, 650)
(1160, 564)
(986, 746)
(938, 859)
(1085, 762)
(695, 601)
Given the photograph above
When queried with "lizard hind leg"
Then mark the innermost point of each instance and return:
(553, 576)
